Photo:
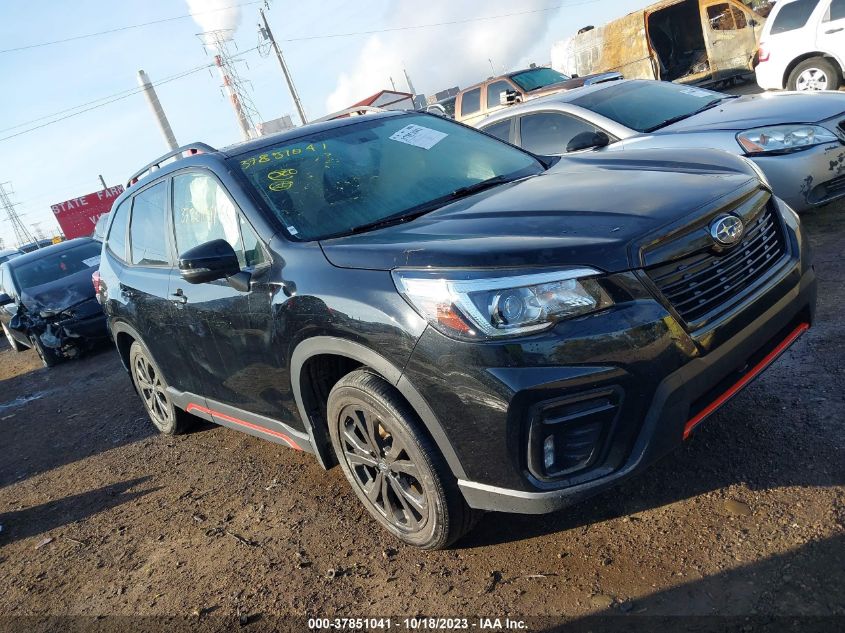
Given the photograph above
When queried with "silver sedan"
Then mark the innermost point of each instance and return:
(796, 139)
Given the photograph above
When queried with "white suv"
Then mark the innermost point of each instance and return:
(803, 46)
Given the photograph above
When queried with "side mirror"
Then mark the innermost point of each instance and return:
(208, 262)
(5, 299)
(575, 76)
(586, 140)
(508, 97)
(437, 109)
(752, 23)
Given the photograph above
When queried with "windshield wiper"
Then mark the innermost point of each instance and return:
(681, 117)
(427, 207)
(476, 187)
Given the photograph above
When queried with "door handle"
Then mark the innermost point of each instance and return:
(179, 297)
(832, 31)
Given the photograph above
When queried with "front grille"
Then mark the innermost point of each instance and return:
(707, 283)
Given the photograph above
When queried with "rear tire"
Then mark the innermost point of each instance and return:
(152, 387)
(13, 342)
(816, 73)
(392, 465)
(49, 357)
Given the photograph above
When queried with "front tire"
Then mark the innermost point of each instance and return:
(152, 387)
(49, 357)
(815, 74)
(394, 468)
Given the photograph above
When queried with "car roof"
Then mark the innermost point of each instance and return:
(48, 250)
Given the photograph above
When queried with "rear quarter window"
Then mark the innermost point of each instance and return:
(116, 240)
(793, 15)
(501, 130)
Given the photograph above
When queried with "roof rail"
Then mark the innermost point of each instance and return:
(193, 148)
(349, 112)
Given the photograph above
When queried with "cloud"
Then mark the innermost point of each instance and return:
(443, 56)
(213, 15)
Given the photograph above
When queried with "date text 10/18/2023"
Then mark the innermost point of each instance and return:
(417, 624)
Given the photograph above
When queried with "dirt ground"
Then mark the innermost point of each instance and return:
(102, 517)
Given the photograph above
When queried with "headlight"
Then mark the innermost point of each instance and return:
(784, 138)
(469, 305)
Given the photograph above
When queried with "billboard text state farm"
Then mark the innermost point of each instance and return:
(78, 216)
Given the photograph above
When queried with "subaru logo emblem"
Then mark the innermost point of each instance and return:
(727, 230)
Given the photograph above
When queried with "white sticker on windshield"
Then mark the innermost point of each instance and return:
(92, 261)
(697, 92)
(419, 136)
(292, 230)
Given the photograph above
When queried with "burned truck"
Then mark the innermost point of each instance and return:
(702, 42)
(48, 302)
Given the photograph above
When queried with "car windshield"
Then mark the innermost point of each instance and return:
(338, 181)
(538, 78)
(645, 106)
(57, 265)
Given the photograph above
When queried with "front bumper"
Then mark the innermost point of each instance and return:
(662, 378)
(809, 178)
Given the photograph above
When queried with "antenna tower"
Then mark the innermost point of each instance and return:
(22, 234)
(218, 44)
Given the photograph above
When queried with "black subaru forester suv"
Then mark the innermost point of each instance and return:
(461, 325)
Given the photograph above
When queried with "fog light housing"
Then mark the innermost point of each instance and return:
(568, 435)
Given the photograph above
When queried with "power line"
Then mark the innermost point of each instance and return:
(118, 96)
(125, 28)
(326, 36)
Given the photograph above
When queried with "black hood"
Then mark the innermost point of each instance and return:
(61, 294)
(587, 210)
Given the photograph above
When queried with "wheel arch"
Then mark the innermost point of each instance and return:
(804, 57)
(358, 355)
(124, 335)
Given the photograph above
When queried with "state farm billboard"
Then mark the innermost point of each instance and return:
(78, 216)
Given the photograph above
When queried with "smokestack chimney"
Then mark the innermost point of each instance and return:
(158, 112)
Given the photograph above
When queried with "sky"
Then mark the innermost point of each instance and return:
(339, 52)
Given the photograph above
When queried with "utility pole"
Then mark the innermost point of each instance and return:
(268, 35)
(22, 234)
(103, 182)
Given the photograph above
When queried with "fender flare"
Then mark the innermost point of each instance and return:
(343, 347)
(120, 327)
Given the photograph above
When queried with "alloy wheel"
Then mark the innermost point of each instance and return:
(383, 468)
(153, 391)
(812, 79)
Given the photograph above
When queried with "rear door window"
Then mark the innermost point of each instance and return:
(116, 241)
(471, 102)
(793, 15)
(147, 230)
(836, 11)
(550, 132)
